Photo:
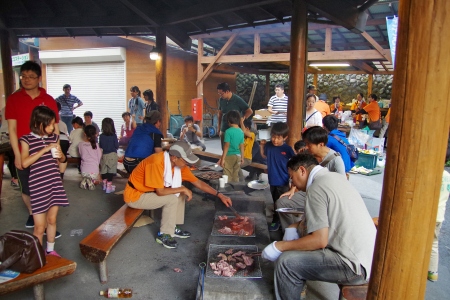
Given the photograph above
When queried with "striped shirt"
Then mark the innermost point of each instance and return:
(67, 104)
(278, 105)
(46, 189)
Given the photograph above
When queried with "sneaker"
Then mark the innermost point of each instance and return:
(15, 184)
(54, 253)
(432, 276)
(274, 226)
(166, 240)
(109, 189)
(181, 233)
(83, 184)
(57, 235)
(90, 184)
(30, 222)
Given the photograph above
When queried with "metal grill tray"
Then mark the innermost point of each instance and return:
(210, 175)
(214, 250)
(217, 225)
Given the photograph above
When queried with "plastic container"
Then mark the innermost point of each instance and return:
(263, 134)
(368, 161)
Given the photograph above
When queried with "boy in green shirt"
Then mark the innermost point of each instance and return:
(233, 148)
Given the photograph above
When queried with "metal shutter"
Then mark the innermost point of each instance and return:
(100, 86)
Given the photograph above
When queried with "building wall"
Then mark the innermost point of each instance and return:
(140, 70)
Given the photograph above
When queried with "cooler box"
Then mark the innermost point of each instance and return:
(368, 161)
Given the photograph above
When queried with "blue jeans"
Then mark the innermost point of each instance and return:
(293, 268)
(68, 121)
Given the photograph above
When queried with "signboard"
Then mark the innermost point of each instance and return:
(392, 26)
(18, 60)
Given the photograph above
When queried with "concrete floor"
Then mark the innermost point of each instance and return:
(138, 262)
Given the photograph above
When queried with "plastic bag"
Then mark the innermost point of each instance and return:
(375, 144)
(359, 137)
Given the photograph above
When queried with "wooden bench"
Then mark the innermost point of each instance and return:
(98, 244)
(55, 267)
(353, 292)
(212, 157)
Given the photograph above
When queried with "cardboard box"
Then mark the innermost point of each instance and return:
(263, 113)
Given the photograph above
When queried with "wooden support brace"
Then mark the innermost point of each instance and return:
(222, 51)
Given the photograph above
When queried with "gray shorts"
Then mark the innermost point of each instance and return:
(23, 176)
(108, 163)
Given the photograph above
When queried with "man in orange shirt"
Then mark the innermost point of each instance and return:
(373, 110)
(322, 106)
(156, 182)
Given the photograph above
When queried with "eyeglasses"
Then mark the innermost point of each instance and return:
(22, 77)
(221, 93)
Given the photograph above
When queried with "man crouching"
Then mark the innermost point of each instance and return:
(156, 182)
(338, 237)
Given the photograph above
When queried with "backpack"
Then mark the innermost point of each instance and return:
(351, 149)
(21, 251)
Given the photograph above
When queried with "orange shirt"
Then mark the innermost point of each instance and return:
(322, 107)
(149, 175)
(355, 106)
(333, 107)
(388, 115)
(373, 110)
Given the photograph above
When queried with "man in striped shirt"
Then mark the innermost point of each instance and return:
(277, 105)
(67, 100)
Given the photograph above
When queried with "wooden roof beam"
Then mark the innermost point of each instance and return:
(201, 10)
(245, 17)
(347, 16)
(139, 40)
(362, 66)
(312, 56)
(141, 12)
(237, 69)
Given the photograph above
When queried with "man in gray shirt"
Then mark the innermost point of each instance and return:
(333, 243)
(191, 132)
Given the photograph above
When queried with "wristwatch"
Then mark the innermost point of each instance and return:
(195, 131)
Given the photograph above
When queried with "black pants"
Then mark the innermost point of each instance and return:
(277, 191)
(11, 165)
(131, 164)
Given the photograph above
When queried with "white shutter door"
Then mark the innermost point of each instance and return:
(100, 86)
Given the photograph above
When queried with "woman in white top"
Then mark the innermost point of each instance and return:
(313, 116)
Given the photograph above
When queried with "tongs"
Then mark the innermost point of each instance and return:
(235, 212)
(254, 254)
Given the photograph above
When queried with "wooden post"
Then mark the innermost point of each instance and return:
(161, 71)
(370, 84)
(199, 74)
(8, 81)
(8, 73)
(267, 88)
(315, 79)
(297, 72)
(418, 133)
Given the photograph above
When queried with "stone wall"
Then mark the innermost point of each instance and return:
(346, 86)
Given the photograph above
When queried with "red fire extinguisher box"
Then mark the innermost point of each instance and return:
(197, 108)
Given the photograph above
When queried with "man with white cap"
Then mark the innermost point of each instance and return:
(156, 182)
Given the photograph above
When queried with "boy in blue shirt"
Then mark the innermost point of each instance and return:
(277, 153)
(330, 123)
(233, 147)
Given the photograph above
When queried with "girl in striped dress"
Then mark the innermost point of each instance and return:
(46, 189)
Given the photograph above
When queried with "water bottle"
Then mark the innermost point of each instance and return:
(117, 293)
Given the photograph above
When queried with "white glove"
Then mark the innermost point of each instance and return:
(290, 234)
(271, 252)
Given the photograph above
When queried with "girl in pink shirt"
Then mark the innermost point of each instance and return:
(90, 154)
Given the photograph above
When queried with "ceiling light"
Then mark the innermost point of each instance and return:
(329, 65)
(154, 54)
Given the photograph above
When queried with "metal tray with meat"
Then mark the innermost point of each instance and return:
(233, 261)
(226, 225)
(209, 175)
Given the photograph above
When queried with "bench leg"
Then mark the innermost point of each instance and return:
(103, 272)
(38, 290)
